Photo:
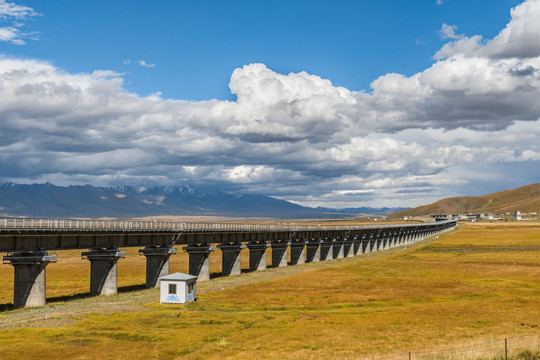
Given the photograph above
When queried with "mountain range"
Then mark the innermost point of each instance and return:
(48, 200)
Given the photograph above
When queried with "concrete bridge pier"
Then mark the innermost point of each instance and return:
(380, 242)
(230, 258)
(313, 250)
(279, 253)
(393, 239)
(389, 237)
(401, 238)
(157, 263)
(199, 260)
(373, 243)
(103, 270)
(348, 248)
(257, 255)
(357, 245)
(29, 288)
(386, 240)
(366, 248)
(326, 249)
(337, 248)
(298, 252)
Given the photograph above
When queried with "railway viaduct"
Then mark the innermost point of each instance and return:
(27, 242)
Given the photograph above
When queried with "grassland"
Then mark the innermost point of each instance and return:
(457, 296)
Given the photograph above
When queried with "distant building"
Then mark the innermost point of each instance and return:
(517, 215)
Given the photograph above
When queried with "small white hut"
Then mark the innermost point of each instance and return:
(177, 288)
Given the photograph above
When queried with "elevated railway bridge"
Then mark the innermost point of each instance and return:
(26, 244)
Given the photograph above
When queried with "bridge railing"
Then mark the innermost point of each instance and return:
(134, 225)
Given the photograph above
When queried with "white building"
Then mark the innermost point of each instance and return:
(177, 288)
(517, 215)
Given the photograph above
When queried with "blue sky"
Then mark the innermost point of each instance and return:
(342, 104)
(195, 45)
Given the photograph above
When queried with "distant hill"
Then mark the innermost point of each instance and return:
(48, 200)
(524, 199)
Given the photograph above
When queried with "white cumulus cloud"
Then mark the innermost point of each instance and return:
(519, 39)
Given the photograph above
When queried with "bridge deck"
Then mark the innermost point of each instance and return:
(23, 234)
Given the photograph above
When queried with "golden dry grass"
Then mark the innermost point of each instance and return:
(457, 297)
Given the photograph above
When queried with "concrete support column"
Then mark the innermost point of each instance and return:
(313, 250)
(257, 255)
(337, 249)
(401, 238)
(157, 263)
(380, 242)
(103, 270)
(199, 260)
(29, 288)
(348, 248)
(279, 253)
(326, 248)
(373, 244)
(393, 238)
(230, 258)
(298, 252)
(357, 245)
(366, 248)
(386, 240)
